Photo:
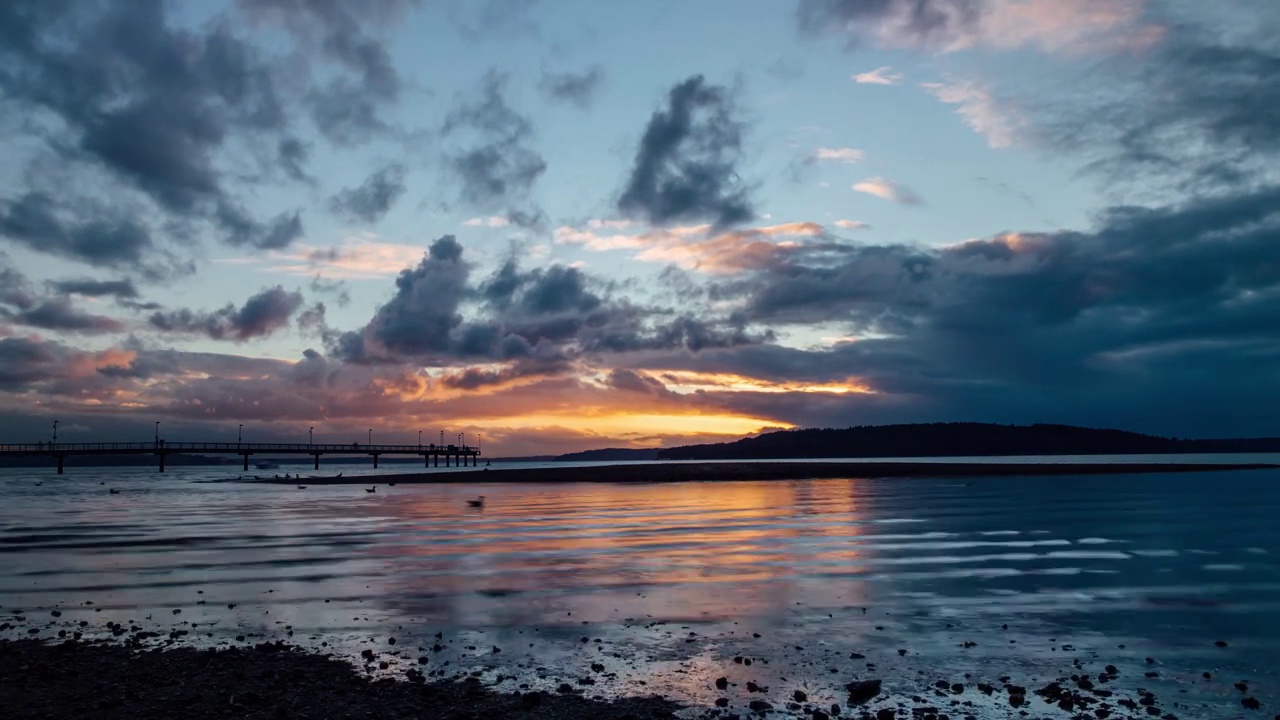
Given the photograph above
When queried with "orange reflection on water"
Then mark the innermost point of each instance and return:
(681, 550)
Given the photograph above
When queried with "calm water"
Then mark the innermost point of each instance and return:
(667, 583)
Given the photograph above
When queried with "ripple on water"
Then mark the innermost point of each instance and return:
(1116, 560)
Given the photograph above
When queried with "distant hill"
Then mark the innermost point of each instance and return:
(957, 439)
(611, 454)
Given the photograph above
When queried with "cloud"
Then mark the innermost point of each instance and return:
(541, 315)
(685, 167)
(698, 247)
(996, 121)
(59, 314)
(851, 224)
(421, 316)
(137, 103)
(1199, 114)
(261, 315)
(494, 165)
(888, 190)
(845, 155)
(37, 221)
(578, 89)
(374, 197)
(880, 76)
(22, 304)
(120, 289)
(346, 109)
(359, 257)
(492, 221)
(954, 25)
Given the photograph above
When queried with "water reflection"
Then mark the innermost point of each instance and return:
(1162, 564)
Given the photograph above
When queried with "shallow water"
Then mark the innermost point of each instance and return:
(667, 583)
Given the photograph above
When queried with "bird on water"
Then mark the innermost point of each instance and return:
(373, 489)
(478, 502)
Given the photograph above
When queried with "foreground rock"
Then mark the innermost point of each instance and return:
(79, 680)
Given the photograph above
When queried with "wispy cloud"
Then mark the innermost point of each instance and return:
(880, 76)
(998, 122)
(355, 259)
(888, 190)
(851, 224)
(846, 155)
(493, 221)
(693, 248)
(1050, 26)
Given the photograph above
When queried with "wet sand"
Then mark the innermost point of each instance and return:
(736, 471)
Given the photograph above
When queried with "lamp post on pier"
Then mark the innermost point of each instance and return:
(441, 438)
(55, 432)
(419, 438)
(370, 436)
(311, 435)
(157, 433)
(240, 435)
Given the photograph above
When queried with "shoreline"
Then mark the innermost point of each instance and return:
(100, 679)
(143, 679)
(722, 471)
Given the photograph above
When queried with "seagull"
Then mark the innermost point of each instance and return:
(478, 502)
(372, 489)
(302, 487)
(113, 491)
(38, 484)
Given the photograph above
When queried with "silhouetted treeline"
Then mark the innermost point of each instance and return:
(958, 439)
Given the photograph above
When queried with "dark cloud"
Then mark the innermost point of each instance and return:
(576, 88)
(374, 197)
(631, 381)
(485, 20)
(542, 316)
(339, 289)
(120, 289)
(476, 378)
(149, 104)
(59, 314)
(347, 109)
(421, 316)
(1201, 112)
(686, 165)
(293, 155)
(927, 23)
(1066, 326)
(37, 221)
(261, 315)
(493, 163)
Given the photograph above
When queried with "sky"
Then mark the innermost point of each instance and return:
(572, 224)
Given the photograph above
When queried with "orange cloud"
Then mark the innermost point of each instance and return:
(689, 247)
(357, 258)
(681, 381)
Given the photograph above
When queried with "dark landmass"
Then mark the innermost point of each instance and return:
(72, 461)
(620, 454)
(725, 471)
(958, 439)
(271, 680)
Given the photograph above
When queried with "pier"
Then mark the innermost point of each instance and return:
(454, 455)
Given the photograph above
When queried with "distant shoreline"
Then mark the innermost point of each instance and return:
(729, 471)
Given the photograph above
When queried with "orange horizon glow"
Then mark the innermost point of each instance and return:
(614, 423)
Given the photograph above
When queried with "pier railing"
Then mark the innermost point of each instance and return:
(164, 445)
(459, 454)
